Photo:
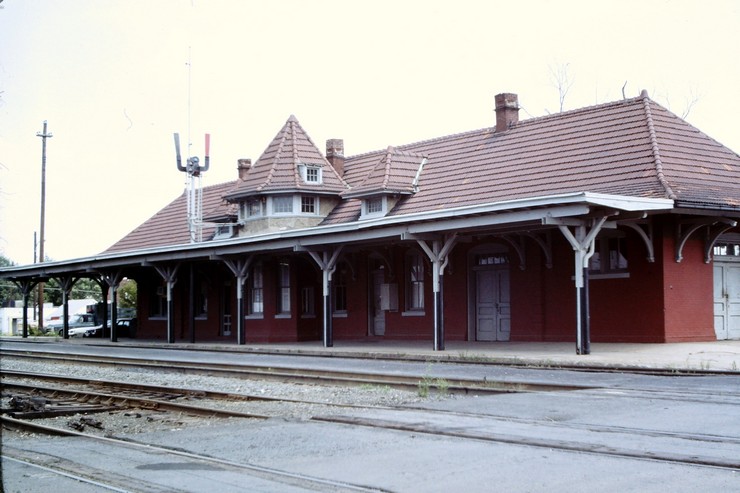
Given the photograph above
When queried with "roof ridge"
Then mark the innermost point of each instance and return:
(387, 168)
(326, 163)
(409, 147)
(655, 148)
(275, 158)
(294, 140)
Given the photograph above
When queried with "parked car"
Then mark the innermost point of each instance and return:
(126, 327)
(80, 320)
(86, 331)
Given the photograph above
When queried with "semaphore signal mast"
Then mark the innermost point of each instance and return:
(194, 188)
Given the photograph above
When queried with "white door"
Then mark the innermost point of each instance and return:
(727, 300)
(492, 305)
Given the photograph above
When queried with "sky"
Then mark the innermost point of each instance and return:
(115, 79)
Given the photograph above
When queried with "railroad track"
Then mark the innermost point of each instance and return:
(70, 395)
(70, 468)
(479, 427)
(303, 375)
(414, 420)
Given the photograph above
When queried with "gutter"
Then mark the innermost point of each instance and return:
(288, 239)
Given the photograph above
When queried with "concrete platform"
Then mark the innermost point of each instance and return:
(719, 356)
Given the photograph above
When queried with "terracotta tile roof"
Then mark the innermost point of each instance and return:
(699, 170)
(395, 173)
(277, 168)
(632, 147)
(608, 148)
(169, 226)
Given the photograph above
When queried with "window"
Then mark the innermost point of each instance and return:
(310, 173)
(283, 297)
(224, 231)
(609, 256)
(374, 206)
(308, 302)
(255, 291)
(308, 205)
(201, 300)
(282, 204)
(254, 208)
(339, 285)
(727, 249)
(158, 301)
(492, 259)
(414, 282)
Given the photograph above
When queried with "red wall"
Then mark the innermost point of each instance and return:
(662, 301)
(688, 292)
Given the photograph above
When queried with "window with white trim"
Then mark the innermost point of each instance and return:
(374, 207)
(282, 204)
(309, 204)
(414, 281)
(283, 295)
(310, 173)
(256, 291)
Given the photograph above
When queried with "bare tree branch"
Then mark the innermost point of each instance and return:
(562, 81)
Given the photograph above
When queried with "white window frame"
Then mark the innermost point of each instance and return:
(256, 292)
(316, 171)
(282, 200)
(366, 214)
(315, 205)
(283, 306)
(415, 272)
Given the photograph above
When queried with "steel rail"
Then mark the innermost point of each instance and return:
(60, 472)
(327, 377)
(512, 439)
(180, 392)
(130, 401)
(271, 474)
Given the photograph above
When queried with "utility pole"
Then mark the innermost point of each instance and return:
(44, 135)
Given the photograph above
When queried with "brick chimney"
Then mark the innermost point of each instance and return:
(335, 154)
(242, 167)
(507, 111)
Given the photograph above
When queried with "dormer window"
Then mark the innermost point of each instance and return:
(374, 207)
(224, 231)
(310, 173)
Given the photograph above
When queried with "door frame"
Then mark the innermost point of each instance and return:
(723, 264)
(473, 253)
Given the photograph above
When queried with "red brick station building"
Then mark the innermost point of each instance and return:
(611, 223)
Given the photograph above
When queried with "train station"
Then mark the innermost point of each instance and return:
(616, 223)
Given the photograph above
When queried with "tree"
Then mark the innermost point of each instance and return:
(127, 293)
(8, 290)
(562, 81)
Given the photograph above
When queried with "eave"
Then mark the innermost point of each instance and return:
(468, 218)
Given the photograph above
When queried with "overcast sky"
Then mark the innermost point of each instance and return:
(111, 78)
